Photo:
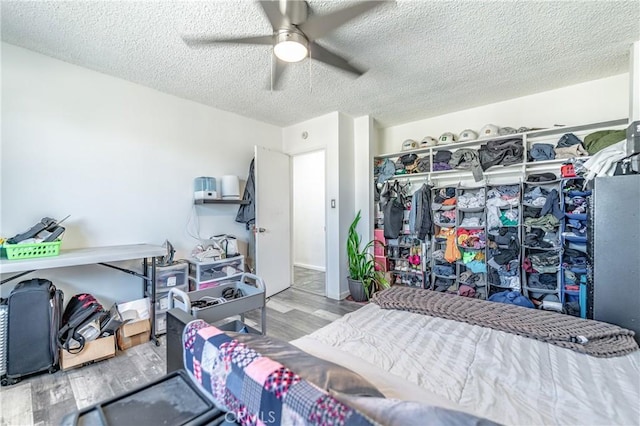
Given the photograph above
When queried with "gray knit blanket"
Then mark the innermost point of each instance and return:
(590, 337)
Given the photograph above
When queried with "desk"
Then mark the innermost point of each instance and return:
(94, 256)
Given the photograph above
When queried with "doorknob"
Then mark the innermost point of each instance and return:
(261, 230)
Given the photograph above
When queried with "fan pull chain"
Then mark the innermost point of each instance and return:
(271, 67)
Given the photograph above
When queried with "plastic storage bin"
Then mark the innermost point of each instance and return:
(162, 298)
(30, 251)
(161, 322)
(215, 283)
(210, 271)
(170, 276)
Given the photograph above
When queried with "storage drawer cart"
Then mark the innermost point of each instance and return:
(167, 277)
(247, 297)
(212, 273)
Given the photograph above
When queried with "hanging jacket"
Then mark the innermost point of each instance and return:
(394, 212)
(420, 220)
(247, 212)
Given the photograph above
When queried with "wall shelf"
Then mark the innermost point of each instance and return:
(242, 202)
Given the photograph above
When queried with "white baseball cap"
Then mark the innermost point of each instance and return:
(428, 141)
(467, 135)
(489, 130)
(409, 144)
(447, 138)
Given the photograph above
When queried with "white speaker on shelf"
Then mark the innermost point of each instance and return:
(230, 187)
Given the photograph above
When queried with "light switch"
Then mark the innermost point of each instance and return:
(333, 204)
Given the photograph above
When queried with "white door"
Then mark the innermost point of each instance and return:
(273, 219)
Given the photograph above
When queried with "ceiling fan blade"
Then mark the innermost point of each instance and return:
(272, 11)
(194, 42)
(277, 68)
(321, 54)
(318, 26)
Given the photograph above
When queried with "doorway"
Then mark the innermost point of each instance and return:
(308, 208)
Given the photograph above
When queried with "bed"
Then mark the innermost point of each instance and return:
(503, 377)
(466, 368)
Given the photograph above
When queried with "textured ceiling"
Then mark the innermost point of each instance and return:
(424, 58)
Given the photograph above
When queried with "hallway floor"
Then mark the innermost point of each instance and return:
(309, 280)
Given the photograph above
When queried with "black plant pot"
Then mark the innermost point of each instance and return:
(357, 290)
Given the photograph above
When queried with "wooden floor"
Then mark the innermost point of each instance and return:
(309, 280)
(47, 398)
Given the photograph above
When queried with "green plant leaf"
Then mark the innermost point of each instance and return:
(361, 262)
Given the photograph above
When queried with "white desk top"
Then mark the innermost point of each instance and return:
(83, 256)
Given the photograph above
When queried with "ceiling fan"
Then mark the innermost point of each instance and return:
(295, 33)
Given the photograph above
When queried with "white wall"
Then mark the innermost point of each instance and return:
(634, 82)
(347, 196)
(584, 103)
(308, 200)
(364, 136)
(118, 157)
(332, 132)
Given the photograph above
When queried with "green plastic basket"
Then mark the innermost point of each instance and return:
(29, 251)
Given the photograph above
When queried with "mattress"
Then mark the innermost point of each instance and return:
(503, 377)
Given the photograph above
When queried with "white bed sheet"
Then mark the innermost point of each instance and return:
(503, 377)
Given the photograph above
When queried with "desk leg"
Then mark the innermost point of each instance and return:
(150, 280)
(153, 302)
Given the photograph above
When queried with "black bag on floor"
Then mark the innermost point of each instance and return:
(81, 311)
(35, 308)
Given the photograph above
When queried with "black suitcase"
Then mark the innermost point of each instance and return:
(35, 308)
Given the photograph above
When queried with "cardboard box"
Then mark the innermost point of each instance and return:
(95, 350)
(133, 333)
(137, 327)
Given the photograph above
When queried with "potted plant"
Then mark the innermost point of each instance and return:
(363, 279)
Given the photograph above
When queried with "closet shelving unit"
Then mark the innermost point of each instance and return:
(550, 135)
(538, 285)
(397, 253)
(471, 268)
(510, 174)
(403, 271)
(504, 219)
(575, 276)
(444, 217)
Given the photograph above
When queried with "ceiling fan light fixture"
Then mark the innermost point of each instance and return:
(291, 46)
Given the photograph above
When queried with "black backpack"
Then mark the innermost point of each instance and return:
(81, 310)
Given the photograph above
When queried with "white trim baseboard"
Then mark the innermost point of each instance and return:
(315, 268)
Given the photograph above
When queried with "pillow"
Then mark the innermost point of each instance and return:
(324, 374)
(395, 412)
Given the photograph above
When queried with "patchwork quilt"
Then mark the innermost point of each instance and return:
(256, 390)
